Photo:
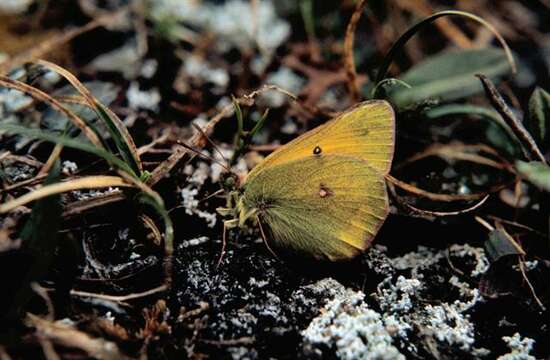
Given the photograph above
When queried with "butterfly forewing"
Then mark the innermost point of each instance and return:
(328, 206)
(365, 132)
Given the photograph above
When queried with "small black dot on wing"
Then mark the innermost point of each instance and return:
(317, 150)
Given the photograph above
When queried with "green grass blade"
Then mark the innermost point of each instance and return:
(71, 143)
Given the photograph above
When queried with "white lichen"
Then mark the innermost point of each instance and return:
(354, 331)
(195, 242)
(422, 258)
(197, 177)
(235, 23)
(447, 324)
(520, 348)
(191, 206)
(201, 72)
(89, 194)
(404, 305)
(124, 59)
(397, 298)
(139, 99)
(69, 167)
(148, 68)
(482, 262)
(14, 7)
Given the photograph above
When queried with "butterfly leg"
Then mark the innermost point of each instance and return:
(228, 224)
(264, 238)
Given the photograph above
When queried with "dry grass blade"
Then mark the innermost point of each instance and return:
(450, 30)
(42, 96)
(349, 62)
(517, 225)
(89, 182)
(56, 152)
(154, 234)
(119, 132)
(78, 207)
(73, 99)
(120, 298)
(29, 182)
(433, 196)
(446, 213)
(66, 335)
(459, 151)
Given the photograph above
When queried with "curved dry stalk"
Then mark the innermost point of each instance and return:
(155, 234)
(459, 151)
(43, 97)
(88, 182)
(388, 59)
(120, 298)
(446, 213)
(449, 29)
(433, 196)
(349, 61)
(119, 132)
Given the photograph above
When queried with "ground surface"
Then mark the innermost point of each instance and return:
(459, 270)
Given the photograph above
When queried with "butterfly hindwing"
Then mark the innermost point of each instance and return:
(329, 206)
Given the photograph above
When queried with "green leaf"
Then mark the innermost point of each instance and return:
(450, 76)
(539, 115)
(536, 173)
(498, 133)
(413, 30)
(500, 244)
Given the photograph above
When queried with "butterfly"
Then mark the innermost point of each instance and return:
(322, 194)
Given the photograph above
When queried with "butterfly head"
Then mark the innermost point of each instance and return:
(230, 182)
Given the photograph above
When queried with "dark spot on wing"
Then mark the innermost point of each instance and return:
(317, 150)
(324, 191)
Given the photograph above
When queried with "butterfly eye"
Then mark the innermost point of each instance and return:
(317, 150)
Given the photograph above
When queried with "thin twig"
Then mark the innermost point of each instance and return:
(447, 213)
(349, 61)
(120, 298)
(517, 127)
(531, 288)
(433, 196)
(484, 223)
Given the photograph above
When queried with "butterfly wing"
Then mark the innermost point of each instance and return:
(365, 132)
(328, 206)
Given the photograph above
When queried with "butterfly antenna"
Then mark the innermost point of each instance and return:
(212, 195)
(197, 152)
(209, 141)
(265, 238)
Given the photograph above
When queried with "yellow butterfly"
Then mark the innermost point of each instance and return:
(324, 193)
